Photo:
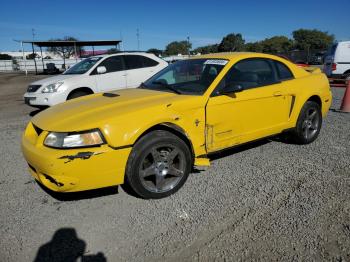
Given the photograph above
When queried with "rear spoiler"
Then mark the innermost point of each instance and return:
(312, 70)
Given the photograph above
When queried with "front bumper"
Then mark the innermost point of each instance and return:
(73, 170)
(44, 99)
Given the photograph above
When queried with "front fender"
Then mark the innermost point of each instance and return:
(127, 132)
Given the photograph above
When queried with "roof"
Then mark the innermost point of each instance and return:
(73, 43)
(123, 53)
(229, 55)
(240, 55)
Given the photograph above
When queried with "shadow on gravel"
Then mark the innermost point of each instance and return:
(36, 111)
(338, 111)
(73, 196)
(66, 246)
(33, 113)
(238, 149)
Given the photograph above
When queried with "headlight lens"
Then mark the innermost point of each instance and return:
(51, 88)
(73, 140)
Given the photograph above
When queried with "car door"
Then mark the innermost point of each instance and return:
(139, 69)
(259, 110)
(115, 76)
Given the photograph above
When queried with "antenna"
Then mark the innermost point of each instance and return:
(138, 39)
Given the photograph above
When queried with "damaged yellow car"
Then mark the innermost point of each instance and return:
(152, 136)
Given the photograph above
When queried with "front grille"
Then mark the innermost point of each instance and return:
(33, 88)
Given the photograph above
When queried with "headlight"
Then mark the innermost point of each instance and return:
(73, 140)
(51, 88)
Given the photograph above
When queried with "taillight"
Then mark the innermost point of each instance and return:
(334, 66)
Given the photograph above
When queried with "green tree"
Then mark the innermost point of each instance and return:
(178, 47)
(254, 47)
(306, 39)
(276, 44)
(155, 51)
(206, 49)
(231, 42)
(112, 50)
(68, 51)
(5, 57)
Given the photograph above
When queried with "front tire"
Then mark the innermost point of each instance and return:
(309, 123)
(158, 165)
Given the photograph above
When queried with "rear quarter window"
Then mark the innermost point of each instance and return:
(138, 61)
(283, 71)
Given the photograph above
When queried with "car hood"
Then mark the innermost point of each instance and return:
(53, 79)
(100, 110)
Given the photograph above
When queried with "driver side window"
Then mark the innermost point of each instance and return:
(248, 74)
(112, 64)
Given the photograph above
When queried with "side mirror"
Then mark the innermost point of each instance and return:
(232, 88)
(101, 70)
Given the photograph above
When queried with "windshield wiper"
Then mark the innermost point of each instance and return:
(163, 84)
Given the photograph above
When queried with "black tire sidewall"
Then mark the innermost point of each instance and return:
(298, 133)
(137, 154)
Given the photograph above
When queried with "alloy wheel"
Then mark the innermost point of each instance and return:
(162, 168)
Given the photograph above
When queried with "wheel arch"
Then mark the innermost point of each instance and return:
(301, 102)
(172, 128)
(316, 99)
(347, 72)
(83, 88)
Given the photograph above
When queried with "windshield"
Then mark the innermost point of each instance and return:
(83, 66)
(191, 77)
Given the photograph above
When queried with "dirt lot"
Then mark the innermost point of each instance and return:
(266, 201)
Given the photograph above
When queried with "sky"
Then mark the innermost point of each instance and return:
(161, 22)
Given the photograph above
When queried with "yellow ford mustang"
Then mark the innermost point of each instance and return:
(151, 137)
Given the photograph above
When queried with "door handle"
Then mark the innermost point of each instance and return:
(277, 93)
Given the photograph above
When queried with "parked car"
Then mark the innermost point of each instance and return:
(317, 58)
(337, 61)
(298, 63)
(150, 137)
(92, 75)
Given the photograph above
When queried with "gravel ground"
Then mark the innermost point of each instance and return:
(265, 201)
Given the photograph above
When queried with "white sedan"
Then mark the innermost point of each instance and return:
(93, 75)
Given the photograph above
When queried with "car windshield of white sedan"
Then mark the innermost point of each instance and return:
(83, 66)
(192, 77)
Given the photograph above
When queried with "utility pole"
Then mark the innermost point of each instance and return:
(138, 39)
(188, 43)
(121, 45)
(33, 33)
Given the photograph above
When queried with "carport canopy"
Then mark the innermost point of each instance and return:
(64, 43)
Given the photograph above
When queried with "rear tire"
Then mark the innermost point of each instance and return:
(309, 124)
(78, 93)
(158, 165)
